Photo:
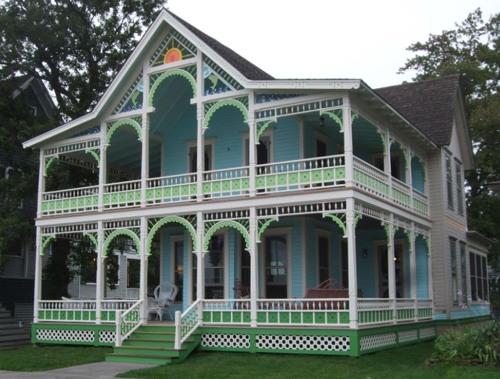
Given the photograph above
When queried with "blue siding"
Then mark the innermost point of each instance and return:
(367, 267)
(286, 139)
(417, 175)
(422, 274)
(167, 260)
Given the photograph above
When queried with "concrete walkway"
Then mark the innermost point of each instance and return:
(100, 370)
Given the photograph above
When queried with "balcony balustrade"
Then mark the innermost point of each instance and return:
(280, 177)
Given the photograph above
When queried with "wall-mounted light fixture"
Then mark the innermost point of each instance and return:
(365, 253)
(322, 121)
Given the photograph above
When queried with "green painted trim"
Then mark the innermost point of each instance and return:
(48, 163)
(45, 242)
(92, 237)
(95, 154)
(53, 326)
(264, 226)
(168, 74)
(262, 129)
(336, 116)
(231, 102)
(227, 224)
(128, 121)
(358, 217)
(166, 220)
(121, 232)
(340, 221)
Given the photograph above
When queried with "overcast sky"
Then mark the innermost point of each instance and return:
(359, 39)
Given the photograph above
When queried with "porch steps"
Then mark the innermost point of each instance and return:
(153, 344)
(11, 335)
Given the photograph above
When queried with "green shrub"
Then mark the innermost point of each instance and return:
(469, 345)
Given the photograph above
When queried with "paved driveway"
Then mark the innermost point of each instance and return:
(101, 370)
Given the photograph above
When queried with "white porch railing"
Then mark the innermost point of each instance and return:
(67, 310)
(70, 201)
(401, 193)
(122, 194)
(187, 322)
(170, 189)
(226, 183)
(370, 178)
(128, 322)
(303, 312)
(301, 174)
(420, 203)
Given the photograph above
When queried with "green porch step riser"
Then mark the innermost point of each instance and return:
(138, 350)
(153, 336)
(148, 343)
(163, 329)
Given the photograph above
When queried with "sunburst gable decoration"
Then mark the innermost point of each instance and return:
(173, 51)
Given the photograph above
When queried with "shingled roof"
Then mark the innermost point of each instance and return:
(429, 105)
(246, 68)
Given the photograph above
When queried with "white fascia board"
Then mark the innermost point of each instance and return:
(374, 94)
(305, 84)
(463, 134)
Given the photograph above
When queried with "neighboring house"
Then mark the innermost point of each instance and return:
(17, 277)
(280, 184)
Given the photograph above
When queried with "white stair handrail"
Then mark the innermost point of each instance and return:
(127, 322)
(186, 323)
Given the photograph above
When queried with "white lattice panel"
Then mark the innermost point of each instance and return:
(107, 336)
(65, 335)
(377, 340)
(238, 341)
(408, 335)
(311, 343)
(427, 332)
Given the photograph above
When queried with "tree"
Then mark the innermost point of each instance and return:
(472, 50)
(77, 47)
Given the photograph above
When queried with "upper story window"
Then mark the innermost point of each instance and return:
(263, 150)
(463, 269)
(460, 184)
(449, 183)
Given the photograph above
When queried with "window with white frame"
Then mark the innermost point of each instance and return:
(460, 184)
(478, 276)
(276, 267)
(214, 269)
(454, 273)
(344, 262)
(245, 263)
(463, 270)
(449, 182)
(193, 155)
(263, 153)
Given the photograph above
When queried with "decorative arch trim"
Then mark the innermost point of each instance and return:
(227, 224)
(49, 162)
(46, 241)
(231, 102)
(169, 74)
(337, 117)
(167, 220)
(92, 238)
(134, 124)
(121, 232)
(339, 221)
(95, 154)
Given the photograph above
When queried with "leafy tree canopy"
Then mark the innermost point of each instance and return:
(77, 47)
(472, 50)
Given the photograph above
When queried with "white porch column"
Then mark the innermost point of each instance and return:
(200, 152)
(254, 269)
(348, 142)
(387, 160)
(38, 273)
(391, 266)
(102, 166)
(252, 144)
(413, 268)
(41, 182)
(100, 280)
(200, 269)
(352, 264)
(200, 141)
(143, 295)
(145, 158)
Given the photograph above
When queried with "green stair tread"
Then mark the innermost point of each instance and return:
(150, 348)
(162, 333)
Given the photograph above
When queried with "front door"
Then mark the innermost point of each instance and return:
(276, 267)
(383, 279)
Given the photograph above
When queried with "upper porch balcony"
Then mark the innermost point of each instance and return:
(242, 145)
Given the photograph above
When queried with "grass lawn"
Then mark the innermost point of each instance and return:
(41, 358)
(406, 362)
